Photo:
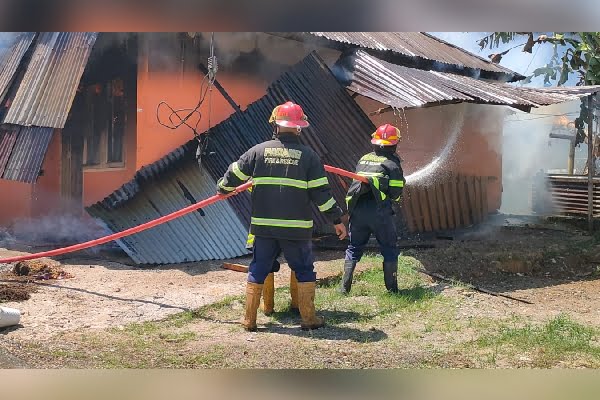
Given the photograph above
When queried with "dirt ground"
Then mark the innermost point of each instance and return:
(557, 270)
(105, 294)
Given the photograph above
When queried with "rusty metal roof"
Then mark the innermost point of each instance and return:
(45, 95)
(340, 141)
(12, 59)
(214, 233)
(22, 152)
(403, 87)
(437, 54)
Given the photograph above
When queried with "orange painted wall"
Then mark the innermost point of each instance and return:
(15, 201)
(22, 200)
(425, 132)
(155, 140)
(179, 86)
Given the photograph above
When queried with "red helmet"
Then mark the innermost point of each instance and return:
(386, 135)
(289, 115)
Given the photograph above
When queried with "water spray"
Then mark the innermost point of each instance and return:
(417, 178)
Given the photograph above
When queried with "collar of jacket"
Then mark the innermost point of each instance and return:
(289, 138)
(388, 153)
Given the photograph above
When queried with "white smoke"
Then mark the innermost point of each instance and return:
(55, 230)
(528, 151)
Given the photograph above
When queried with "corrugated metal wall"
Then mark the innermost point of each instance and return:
(22, 152)
(48, 88)
(339, 132)
(12, 59)
(28, 152)
(213, 233)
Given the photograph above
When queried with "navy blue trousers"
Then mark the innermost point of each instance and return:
(298, 254)
(368, 218)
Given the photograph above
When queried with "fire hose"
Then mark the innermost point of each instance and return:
(158, 221)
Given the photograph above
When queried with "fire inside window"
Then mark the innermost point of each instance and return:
(105, 127)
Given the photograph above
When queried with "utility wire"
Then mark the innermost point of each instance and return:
(180, 117)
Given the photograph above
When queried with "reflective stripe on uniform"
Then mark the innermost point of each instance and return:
(396, 183)
(283, 223)
(225, 188)
(235, 168)
(318, 182)
(376, 184)
(330, 203)
(280, 181)
(370, 174)
(348, 198)
(250, 241)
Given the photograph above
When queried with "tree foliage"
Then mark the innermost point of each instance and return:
(574, 53)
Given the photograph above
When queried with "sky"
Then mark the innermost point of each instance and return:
(516, 59)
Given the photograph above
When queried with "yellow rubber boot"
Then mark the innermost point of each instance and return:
(253, 292)
(294, 293)
(306, 300)
(268, 294)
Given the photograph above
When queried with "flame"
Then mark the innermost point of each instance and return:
(562, 121)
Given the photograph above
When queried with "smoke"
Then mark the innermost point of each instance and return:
(6, 239)
(252, 53)
(109, 41)
(54, 230)
(423, 176)
(528, 152)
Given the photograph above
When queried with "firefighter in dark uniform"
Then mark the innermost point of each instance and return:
(268, 294)
(370, 206)
(287, 176)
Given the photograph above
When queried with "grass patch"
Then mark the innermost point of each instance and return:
(559, 340)
(211, 336)
(368, 299)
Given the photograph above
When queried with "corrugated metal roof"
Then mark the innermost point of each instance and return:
(25, 157)
(404, 87)
(409, 44)
(339, 133)
(12, 59)
(214, 233)
(8, 137)
(48, 88)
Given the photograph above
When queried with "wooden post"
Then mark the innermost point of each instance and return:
(571, 165)
(590, 167)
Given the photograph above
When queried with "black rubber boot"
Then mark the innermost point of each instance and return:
(349, 266)
(390, 272)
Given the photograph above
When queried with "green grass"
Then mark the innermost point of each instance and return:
(368, 299)
(370, 327)
(559, 340)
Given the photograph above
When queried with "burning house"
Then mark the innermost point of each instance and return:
(108, 102)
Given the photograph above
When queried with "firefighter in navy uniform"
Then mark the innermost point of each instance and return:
(370, 206)
(287, 176)
(268, 294)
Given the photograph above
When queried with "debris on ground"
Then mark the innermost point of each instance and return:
(40, 270)
(15, 292)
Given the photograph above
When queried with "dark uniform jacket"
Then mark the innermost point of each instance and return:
(287, 176)
(386, 177)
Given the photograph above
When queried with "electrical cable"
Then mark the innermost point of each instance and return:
(175, 118)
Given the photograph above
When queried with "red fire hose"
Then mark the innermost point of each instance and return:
(158, 221)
